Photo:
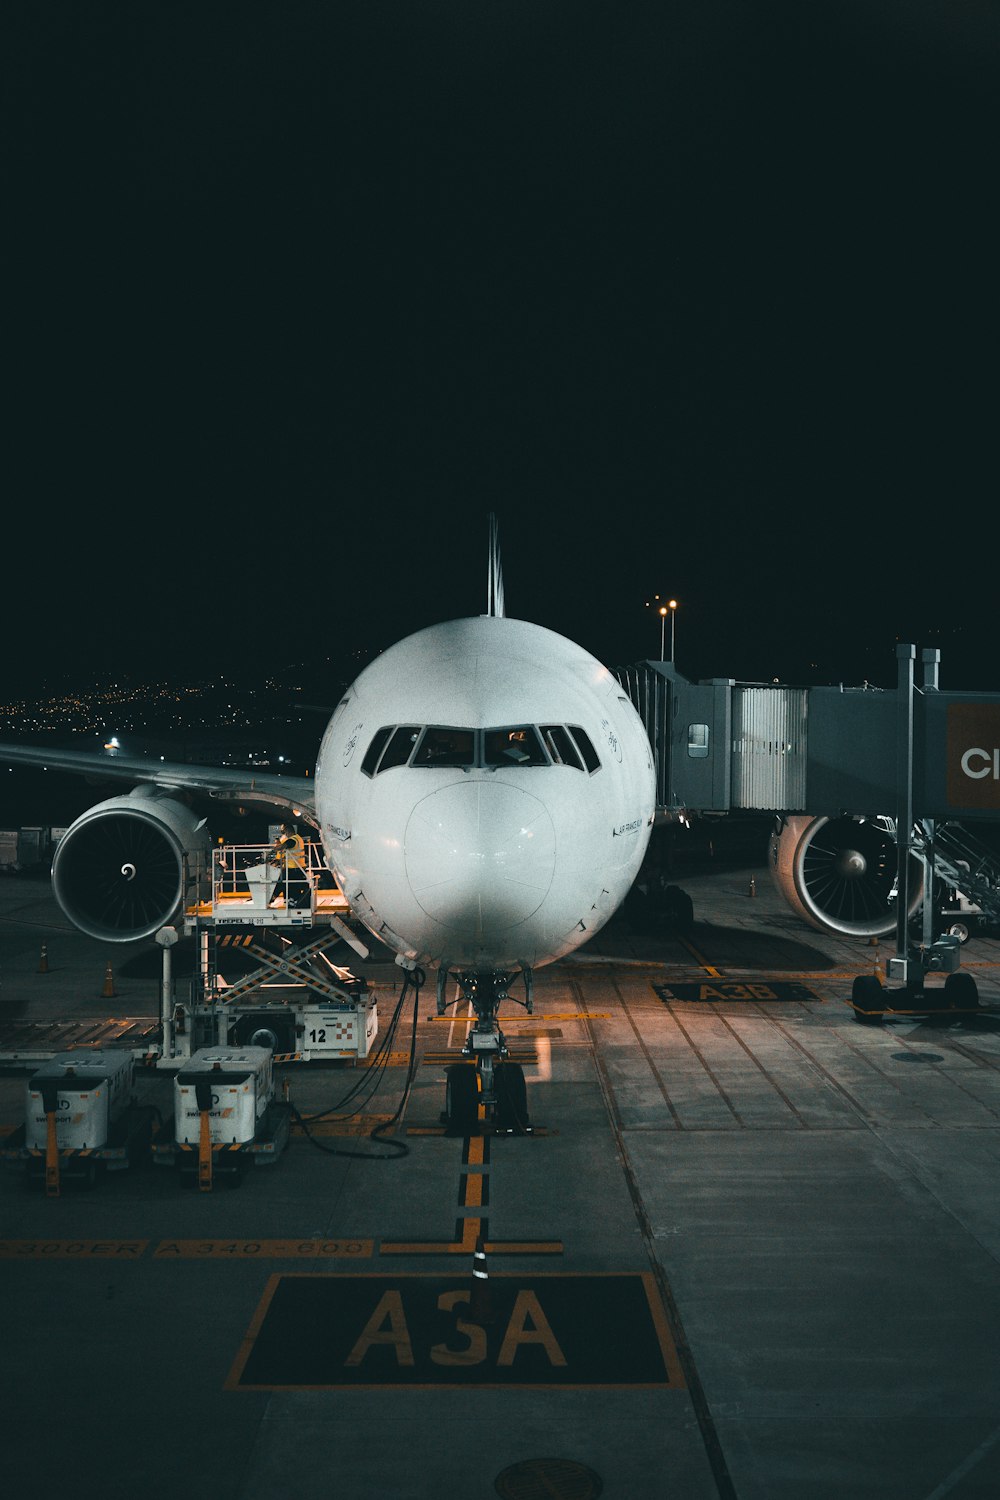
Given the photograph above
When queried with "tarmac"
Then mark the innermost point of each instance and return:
(750, 1248)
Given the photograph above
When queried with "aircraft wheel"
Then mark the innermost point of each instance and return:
(512, 1097)
(961, 990)
(959, 929)
(461, 1100)
(867, 994)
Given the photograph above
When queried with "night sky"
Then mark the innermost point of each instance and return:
(699, 298)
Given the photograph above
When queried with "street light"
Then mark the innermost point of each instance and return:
(663, 610)
(670, 608)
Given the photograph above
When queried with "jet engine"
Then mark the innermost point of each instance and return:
(122, 869)
(839, 874)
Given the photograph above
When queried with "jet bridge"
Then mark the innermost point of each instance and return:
(844, 767)
(724, 746)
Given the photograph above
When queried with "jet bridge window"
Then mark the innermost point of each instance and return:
(519, 746)
(698, 741)
(590, 757)
(375, 750)
(559, 744)
(445, 746)
(400, 747)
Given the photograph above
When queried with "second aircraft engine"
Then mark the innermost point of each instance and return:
(121, 871)
(839, 874)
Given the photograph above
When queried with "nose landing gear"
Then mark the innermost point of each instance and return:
(493, 1089)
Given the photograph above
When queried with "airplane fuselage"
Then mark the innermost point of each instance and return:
(485, 793)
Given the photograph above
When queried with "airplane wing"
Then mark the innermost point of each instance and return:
(294, 794)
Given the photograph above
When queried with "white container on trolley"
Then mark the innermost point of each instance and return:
(89, 1092)
(234, 1084)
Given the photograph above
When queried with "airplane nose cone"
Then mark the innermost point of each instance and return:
(480, 856)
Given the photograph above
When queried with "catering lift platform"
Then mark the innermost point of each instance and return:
(284, 913)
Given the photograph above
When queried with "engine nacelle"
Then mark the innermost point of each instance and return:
(121, 871)
(839, 874)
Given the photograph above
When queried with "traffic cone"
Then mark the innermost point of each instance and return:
(481, 1302)
(109, 991)
(753, 887)
(43, 962)
(877, 968)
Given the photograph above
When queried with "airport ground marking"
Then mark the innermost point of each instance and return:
(51, 1249)
(487, 1131)
(539, 1018)
(735, 989)
(346, 1248)
(446, 1059)
(474, 1190)
(533, 1329)
(292, 1249)
(700, 959)
(472, 1230)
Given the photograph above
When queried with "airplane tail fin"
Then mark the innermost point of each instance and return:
(494, 580)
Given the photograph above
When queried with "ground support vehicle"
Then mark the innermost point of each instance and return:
(225, 1115)
(80, 1116)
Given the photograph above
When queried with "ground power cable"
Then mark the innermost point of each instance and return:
(372, 1077)
(413, 981)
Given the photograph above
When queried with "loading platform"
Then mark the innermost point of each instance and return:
(275, 905)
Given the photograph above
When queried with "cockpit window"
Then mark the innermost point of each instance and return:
(375, 750)
(443, 746)
(513, 747)
(452, 747)
(590, 757)
(559, 744)
(399, 748)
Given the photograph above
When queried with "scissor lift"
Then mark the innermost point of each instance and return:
(284, 909)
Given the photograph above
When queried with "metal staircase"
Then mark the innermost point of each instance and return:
(961, 862)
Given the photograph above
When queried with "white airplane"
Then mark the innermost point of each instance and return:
(484, 795)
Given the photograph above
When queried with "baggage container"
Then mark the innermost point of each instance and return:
(89, 1092)
(80, 1117)
(225, 1115)
(234, 1084)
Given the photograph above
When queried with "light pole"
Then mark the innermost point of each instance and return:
(665, 609)
(670, 608)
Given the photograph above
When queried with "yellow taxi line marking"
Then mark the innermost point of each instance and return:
(471, 1231)
(473, 1195)
(458, 1247)
(441, 1059)
(523, 1247)
(539, 1018)
(700, 958)
(306, 1249)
